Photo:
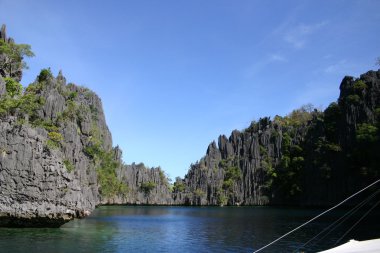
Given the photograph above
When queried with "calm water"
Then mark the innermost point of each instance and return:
(184, 229)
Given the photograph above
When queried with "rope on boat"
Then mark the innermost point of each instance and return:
(378, 202)
(316, 217)
(342, 219)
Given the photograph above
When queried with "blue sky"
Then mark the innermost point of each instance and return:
(173, 75)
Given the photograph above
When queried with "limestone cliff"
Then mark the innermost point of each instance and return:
(145, 186)
(306, 158)
(46, 176)
(57, 161)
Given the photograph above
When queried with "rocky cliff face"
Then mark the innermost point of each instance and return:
(46, 176)
(56, 156)
(236, 171)
(2, 86)
(306, 158)
(36, 188)
(145, 186)
(51, 138)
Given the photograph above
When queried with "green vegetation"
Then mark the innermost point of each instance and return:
(15, 54)
(364, 156)
(333, 147)
(162, 175)
(52, 145)
(94, 148)
(106, 166)
(331, 116)
(44, 75)
(300, 116)
(69, 166)
(284, 174)
(13, 88)
(8, 106)
(110, 185)
(233, 173)
(147, 187)
(222, 200)
(231, 176)
(367, 133)
(72, 95)
(287, 176)
(94, 112)
(198, 193)
(70, 113)
(25, 106)
(353, 99)
(48, 125)
(54, 141)
(179, 187)
(359, 86)
(34, 88)
(15, 103)
(55, 136)
(164, 179)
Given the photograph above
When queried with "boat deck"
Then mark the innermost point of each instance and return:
(370, 246)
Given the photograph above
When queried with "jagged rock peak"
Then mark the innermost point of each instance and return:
(3, 33)
(61, 78)
(307, 157)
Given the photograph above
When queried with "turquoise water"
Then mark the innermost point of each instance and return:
(184, 229)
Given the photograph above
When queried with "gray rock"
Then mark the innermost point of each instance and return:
(2, 86)
(261, 144)
(134, 176)
(36, 189)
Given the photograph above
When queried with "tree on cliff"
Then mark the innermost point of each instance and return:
(12, 55)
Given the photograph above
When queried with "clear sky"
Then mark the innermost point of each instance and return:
(174, 75)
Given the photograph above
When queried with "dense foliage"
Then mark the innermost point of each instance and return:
(110, 185)
(17, 103)
(106, 165)
(308, 156)
(319, 147)
(179, 185)
(147, 187)
(15, 54)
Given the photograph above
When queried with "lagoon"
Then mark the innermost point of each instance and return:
(186, 229)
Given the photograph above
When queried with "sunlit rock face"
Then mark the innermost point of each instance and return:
(309, 157)
(37, 187)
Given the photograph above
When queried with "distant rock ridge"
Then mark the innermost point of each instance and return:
(306, 158)
(146, 186)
